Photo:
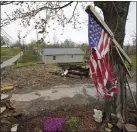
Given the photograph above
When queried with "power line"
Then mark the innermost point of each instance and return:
(7, 37)
(7, 34)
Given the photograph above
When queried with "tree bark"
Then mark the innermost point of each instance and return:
(115, 16)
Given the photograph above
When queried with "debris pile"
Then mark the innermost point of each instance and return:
(8, 115)
(37, 77)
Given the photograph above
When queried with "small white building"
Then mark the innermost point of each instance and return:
(62, 55)
(4, 46)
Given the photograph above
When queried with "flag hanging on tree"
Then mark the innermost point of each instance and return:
(101, 73)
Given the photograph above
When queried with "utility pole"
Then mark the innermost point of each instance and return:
(37, 39)
(37, 44)
(19, 40)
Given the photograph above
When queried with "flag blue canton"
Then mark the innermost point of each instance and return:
(94, 31)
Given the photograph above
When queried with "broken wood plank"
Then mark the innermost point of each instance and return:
(6, 89)
(90, 9)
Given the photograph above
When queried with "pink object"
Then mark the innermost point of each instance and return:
(53, 125)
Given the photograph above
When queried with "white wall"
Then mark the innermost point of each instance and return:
(63, 59)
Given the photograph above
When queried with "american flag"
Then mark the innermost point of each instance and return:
(101, 74)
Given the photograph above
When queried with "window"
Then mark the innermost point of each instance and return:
(71, 56)
(54, 57)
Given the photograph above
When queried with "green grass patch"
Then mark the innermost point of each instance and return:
(72, 124)
(4, 58)
(134, 61)
(19, 65)
(29, 56)
(9, 51)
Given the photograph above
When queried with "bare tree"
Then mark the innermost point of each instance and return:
(115, 15)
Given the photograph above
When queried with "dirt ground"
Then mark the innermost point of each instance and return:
(39, 93)
(27, 79)
(83, 120)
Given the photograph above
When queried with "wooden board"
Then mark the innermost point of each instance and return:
(90, 9)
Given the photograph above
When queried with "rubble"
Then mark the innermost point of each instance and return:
(130, 128)
(14, 127)
(110, 125)
(7, 88)
(107, 129)
(2, 109)
(120, 124)
(7, 111)
(4, 96)
(26, 79)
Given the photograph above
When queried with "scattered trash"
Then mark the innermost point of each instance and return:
(130, 128)
(9, 106)
(120, 124)
(54, 91)
(16, 115)
(4, 96)
(107, 129)
(6, 89)
(98, 115)
(110, 125)
(53, 124)
(65, 73)
(14, 127)
(2, 109)
(4, 121)
(113, 115)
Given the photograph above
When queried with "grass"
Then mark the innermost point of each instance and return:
(4, 58)
(29, 58)
(19, 65)
(9, 51)
(133, 59)
(72, 124)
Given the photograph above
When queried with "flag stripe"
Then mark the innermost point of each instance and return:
(99, 44)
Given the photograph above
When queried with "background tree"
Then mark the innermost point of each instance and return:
(16, 44)
(84, 47)
(3, 42)
(134, 43)
(68, 43)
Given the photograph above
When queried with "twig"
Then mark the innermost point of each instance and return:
(73, 12)
(35, 12)
(6, 2)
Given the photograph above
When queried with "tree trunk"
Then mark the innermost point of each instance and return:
(115, 16)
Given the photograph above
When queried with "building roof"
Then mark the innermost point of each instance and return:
(62, 51)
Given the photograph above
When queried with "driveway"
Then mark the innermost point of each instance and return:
(57, 96)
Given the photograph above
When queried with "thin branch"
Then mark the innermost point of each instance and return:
(6, 2)
(35, 12)
(73, 12)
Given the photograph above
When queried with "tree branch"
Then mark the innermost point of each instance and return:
(18, 14)
(6, 2)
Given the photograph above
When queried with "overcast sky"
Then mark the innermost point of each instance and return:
(69, 33)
